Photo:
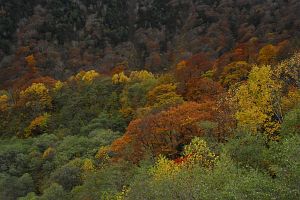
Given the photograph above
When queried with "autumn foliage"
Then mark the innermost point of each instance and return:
(163, 133)
(202, 89)
(37, 126)
(36, 97)
(235, 72)
(194, 67)
(31, 63)
(3, 103)
(149, 99)
(258, 102)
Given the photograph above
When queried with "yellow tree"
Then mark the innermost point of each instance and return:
(257, 101)
(195, 153)
(164, 168)
(3, 103)
(58, 86)
(141, 75)
(198, 152)
(88, 165)
(89, 76)
(86, 76)
(36, 97)
(120, 78)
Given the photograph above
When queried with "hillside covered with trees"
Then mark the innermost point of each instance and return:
(149, 99)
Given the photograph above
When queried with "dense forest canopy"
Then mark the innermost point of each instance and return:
(66, 36)
(149, 99)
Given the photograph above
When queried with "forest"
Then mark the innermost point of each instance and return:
(149, 99)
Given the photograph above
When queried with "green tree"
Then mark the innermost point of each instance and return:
(13, 187)
(54, 192)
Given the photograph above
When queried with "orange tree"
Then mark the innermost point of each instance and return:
(202, 89)
(194, 67)
(163, 133)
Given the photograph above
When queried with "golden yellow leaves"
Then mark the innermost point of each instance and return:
(120, 78)
(89, 76)
(196, 153)
(58, 86)
(86, 76)
(256, 100)
(164, 168)
(36, 97)
(88, 165)
(140, 75)
(4, 103)
(37, 126)
(134, 76)
(38, 88)
(260, 102)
